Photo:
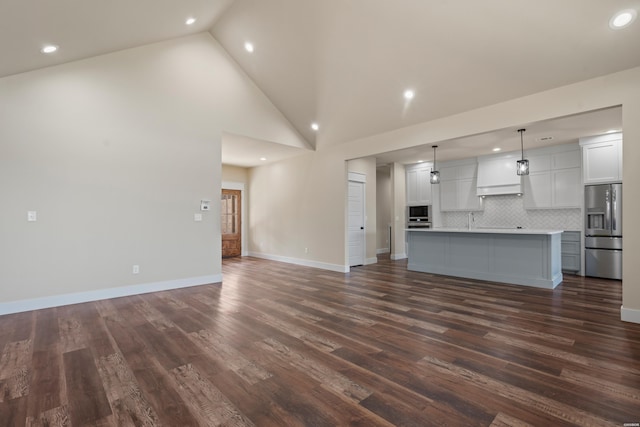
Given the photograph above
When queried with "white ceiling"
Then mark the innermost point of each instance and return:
(238, 150)
(345, 64)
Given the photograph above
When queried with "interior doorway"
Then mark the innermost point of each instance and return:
(231, 222)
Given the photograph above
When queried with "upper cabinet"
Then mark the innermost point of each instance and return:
(554, 180)
(418, 184)
(602, 158)
(458, 186)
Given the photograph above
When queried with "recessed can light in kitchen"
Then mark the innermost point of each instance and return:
(315, 126)
(248, 46)
(264, 159)
(623, 19)
(50, 48)
(409, 94)
(495, 150)
(190, 21)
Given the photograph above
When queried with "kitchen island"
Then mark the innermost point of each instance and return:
(518, 256)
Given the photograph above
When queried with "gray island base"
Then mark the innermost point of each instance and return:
(517, 256)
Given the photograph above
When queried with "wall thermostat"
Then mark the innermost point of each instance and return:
(205, 205)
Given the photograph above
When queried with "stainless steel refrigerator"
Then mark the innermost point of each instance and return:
(603, 231)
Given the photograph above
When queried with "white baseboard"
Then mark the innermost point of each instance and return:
(382, 251)
(370, 261)
(629, 315)
(396, 257)
(303, 262)
(123, 291)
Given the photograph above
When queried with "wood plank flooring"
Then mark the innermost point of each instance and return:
(282, 345)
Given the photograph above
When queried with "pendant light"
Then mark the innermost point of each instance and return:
(435, 175)
(522, 164)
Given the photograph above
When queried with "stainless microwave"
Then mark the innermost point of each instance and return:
(422, 212)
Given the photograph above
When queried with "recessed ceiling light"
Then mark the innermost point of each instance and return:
(248, 46)
(497, 149)
(420, 161)
(190, 21)
(622, 19)
(315, 126)
(50, 48)
(612, 131)
(409, 94)
(264, 159)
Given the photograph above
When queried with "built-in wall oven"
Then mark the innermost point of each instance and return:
(419, 216)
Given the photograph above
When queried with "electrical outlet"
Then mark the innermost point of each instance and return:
(32, 216)
(136, 269)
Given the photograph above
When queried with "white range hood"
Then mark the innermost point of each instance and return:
(497, 175)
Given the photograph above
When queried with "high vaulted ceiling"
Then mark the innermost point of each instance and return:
(346, 63)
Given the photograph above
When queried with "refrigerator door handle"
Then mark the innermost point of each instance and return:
(607, 211)
(614, 210)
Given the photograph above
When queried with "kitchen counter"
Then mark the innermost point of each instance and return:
(487, 230)
(527, 257)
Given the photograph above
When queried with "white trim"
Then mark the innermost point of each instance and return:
(382, 251)
(357, 177)
(629, 314)
(369, 261)
(396, 257)
(232, 185)
(101, 294)
(303, 262)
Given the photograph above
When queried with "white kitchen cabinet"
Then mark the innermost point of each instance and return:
(571, 251)
(602, 158)
(555, 179)
(418, 184)
(566, 188)
(537, 190)
(458, 186)
(449, 195)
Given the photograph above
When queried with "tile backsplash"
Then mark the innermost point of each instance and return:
(508, 211)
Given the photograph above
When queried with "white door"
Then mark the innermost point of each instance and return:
(356, 223)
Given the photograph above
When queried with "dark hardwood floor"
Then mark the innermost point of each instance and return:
(280, 345)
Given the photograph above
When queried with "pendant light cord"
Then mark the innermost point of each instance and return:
(521, 144)
(434, 157)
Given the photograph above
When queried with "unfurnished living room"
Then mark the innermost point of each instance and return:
(299, 213)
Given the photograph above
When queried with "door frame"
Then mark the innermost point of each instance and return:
(230, 185)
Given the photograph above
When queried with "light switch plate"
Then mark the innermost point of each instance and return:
(197, 217)
(32, 216)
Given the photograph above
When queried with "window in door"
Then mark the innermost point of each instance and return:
(230, 223)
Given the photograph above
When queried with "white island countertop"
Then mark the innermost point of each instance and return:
(485, 230)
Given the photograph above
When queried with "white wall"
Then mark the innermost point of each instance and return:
(399, 213)
(383, 208)
(235, 174)
(115, 153)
